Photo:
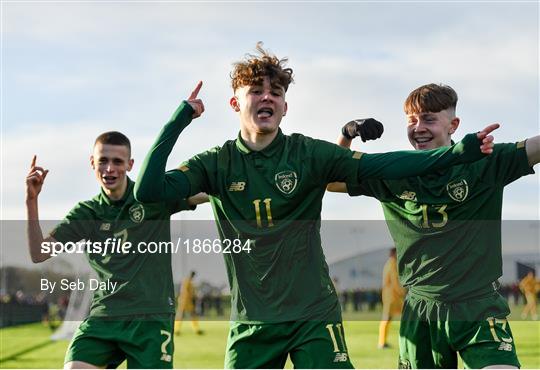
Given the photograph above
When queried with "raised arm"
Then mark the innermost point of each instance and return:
(397, 165)
(532, 147)
(34, 183)
(153, 184)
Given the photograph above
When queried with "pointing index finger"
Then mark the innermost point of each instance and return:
(487, 130)
(33, 161)
(195, 92)
(491, 128)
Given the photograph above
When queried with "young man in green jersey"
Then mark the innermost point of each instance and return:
(131, 317)
(447, 230)
(266, 189)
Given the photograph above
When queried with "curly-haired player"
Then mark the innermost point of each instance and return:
(266, 189)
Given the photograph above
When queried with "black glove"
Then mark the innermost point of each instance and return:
(367, 129)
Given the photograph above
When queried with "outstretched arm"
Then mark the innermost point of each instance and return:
(397, 165)
(153, 184)
(34, 183)
(532, 147)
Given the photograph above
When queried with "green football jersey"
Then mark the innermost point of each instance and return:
(136, 282)
(271, 200)
(447, 226)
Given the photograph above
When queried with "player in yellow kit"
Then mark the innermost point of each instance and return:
(186, 304)
(529, 286)
(392, 297)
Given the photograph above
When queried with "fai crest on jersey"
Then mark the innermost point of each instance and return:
(458, 190)
(136, 213)
(286, 181)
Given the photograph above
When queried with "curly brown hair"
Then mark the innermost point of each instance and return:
(430, 98)
(254, 68)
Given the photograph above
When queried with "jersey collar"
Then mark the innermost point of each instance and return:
(129, 191)
(269, 151)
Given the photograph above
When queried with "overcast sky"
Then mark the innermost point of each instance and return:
(73, 70)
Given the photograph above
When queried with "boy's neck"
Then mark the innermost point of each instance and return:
(256, 141)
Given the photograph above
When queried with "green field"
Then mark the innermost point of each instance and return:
(28, 346)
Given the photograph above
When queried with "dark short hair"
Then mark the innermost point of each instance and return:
(430, 98)
(255, 68)
(113, 138)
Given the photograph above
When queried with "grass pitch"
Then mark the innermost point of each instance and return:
(29, 346)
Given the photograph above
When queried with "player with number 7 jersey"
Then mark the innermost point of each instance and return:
(129, 319)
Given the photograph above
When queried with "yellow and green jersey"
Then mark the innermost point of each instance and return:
(136, 282)
(447, 225)
(270, 201)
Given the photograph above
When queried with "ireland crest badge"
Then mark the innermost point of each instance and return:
(136, 213)
(458, 190)
(286, 181)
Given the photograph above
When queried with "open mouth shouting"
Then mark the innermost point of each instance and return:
(109, 180)
(265, 112)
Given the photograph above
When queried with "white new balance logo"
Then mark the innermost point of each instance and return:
(237, 186)
(165, 357)
(505, 347)
(341, 357)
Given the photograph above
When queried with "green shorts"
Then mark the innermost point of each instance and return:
(310, 344)
(144, 341)
(432, 333)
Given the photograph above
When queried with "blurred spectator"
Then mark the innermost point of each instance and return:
(186, 304)
(392, 297)
(529, 286)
